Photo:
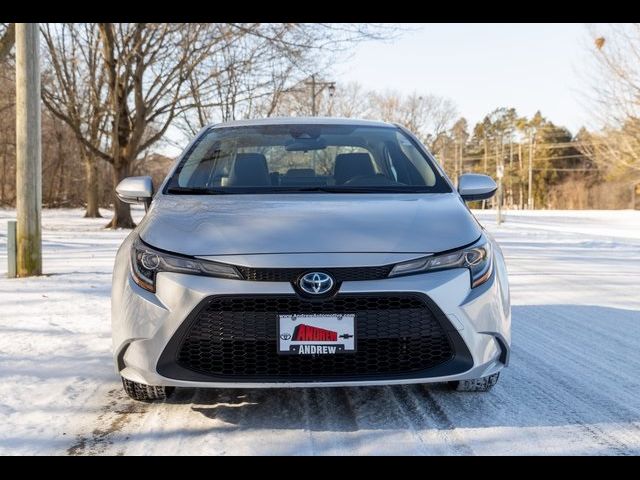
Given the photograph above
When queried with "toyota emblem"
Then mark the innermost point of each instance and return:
(316, 283)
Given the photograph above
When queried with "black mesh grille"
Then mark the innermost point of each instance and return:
(343, 274)
(236, 336)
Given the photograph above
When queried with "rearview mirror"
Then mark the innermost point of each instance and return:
(305, 144)
(135, 190)
(473, 186)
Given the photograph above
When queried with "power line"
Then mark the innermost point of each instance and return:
(559, 157)
(561, 169)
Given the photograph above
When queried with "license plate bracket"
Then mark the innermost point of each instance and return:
(316, 334)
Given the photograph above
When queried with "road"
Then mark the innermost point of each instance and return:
(572, 386)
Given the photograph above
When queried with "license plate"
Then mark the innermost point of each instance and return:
(317, 334)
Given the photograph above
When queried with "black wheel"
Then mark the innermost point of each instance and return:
(483, 384)
(145, 393)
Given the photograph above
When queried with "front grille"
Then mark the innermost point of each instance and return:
(340, 274)
(236, 337)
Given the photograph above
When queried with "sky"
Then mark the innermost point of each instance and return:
(482, 67)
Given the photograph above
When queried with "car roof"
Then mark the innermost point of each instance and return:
(302, 121)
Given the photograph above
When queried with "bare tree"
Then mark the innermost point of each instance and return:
(616, 99)
(430, 116)
(262, 68)
(250, 69)
(74, 89)
(7, 137)
(349, 100)
(138, 72)
(141, 78)
(427, 115)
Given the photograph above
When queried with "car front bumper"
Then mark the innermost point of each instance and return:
(144, 323)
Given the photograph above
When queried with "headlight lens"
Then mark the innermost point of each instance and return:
(146, 262)
(477, 258)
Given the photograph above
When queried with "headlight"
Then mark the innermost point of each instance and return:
(477, 258)
(146, 262)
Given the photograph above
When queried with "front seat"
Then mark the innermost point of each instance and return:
(351, 165)
(250, 170)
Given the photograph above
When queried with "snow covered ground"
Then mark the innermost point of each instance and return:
(573, 386)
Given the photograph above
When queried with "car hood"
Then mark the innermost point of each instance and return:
(201, 225)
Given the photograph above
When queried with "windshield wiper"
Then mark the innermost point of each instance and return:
(196, 191)
(318, 188)
(347, 189)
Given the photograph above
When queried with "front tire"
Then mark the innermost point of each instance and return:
(483, 384)
(145, 393)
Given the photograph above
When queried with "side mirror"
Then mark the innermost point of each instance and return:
(473, 186)
(135, 190)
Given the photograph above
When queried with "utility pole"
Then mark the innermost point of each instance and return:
(530, 193)
(313, 95)
(28, 148)
(500, 161)
(497, 199)
(510, 194)
(499, 174)
(520, 189)
(456, 149)
(486, 165)
(486, 156)
(316, 89)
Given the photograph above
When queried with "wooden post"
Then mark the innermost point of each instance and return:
(28, 159)
(11, 248)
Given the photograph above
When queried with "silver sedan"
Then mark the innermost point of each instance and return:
(297, 252)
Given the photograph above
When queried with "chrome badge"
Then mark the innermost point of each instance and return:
(316, 283)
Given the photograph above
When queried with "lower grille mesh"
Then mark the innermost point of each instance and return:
(237, 337)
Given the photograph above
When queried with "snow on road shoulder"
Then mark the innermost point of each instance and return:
(592, 225)
(55, 334)
(571, 387)
(582, 258)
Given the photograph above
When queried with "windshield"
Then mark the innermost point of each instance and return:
(294, 158)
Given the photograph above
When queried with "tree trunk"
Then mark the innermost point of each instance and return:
(91, 169)
(121, 211)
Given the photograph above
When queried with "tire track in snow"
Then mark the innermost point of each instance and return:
(167, 427)
(443, 421)
(330, 419)
(112, 419)
(423, 412)
(384, 425)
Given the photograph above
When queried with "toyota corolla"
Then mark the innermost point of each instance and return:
(308, 252)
